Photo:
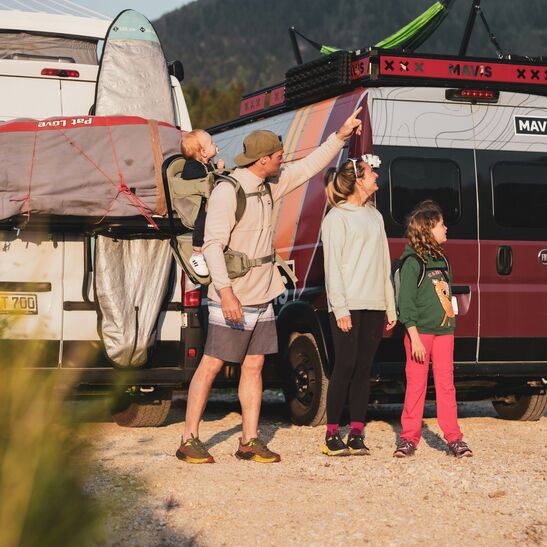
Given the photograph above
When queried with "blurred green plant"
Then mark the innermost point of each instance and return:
(44, 463)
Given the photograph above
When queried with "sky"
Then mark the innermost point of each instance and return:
(152, 9)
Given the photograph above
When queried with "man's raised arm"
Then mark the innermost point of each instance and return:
(298, 172)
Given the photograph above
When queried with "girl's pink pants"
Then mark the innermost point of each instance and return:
(440, 349)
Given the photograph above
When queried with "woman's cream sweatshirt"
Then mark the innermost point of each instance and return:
(357, 262)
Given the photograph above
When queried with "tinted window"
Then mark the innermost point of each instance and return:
(520, 194)
(414, 179)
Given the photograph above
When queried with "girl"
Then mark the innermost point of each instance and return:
(359, 293)
(425, 309)
(198, 148)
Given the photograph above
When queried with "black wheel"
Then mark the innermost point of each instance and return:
(142, 410)
(305, 383)
(522, 407)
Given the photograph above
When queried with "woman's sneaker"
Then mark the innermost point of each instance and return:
(404, 449)
(256, 451)
(198, 264)
(334, 446)
(459, 449)
(356, 445)
(193, 451)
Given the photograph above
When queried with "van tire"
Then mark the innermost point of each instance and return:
(142, 411)
(305, 382)
(525, 407)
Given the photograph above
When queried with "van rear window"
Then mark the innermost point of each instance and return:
(520, 194)
(414, 179)
(22, 46)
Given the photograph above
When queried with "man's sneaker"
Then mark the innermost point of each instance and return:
(356, 445)
(256, 451)
(198, 264)
(194, 451)
(404, 449)
(459, 449)
(334, 446)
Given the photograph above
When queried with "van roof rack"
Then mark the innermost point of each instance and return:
(339, 72)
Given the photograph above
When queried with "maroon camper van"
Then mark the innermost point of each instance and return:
(469, 133)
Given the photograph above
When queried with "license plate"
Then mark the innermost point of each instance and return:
(15, 304)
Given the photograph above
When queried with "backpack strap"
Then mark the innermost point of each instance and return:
(421, 276)
(241, 195)
(241, 198)
(448, 275)
(266, 191)
(262, 260)
(445, 270)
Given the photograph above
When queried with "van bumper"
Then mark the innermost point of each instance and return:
(160, 377)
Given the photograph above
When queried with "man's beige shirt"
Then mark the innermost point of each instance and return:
(253, 234)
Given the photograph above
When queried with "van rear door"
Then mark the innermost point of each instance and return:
(25, 92)
(31, 296)
(20, 98)
(511, 142)
(426, 148)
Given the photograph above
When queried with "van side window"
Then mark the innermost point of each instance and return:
(519, 191)
(412, 180)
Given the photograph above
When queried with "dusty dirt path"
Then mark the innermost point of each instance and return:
(497, 497)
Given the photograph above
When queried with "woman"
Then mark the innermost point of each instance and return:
(359, 293)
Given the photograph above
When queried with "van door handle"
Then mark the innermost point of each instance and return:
(461, 289)
(504, 260)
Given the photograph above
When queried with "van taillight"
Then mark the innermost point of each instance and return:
(192, 299)
(61, 73)
(473, 95)
(191, 296)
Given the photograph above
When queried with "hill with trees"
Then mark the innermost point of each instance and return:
(234, 46)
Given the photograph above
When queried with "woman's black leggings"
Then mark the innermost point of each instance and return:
(353, 357)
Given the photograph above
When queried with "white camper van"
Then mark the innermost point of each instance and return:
(48, 68)
(49, 65)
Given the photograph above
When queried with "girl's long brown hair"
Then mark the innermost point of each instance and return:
(420, 222)
(341, 182)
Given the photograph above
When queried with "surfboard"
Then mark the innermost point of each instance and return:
(133, 78)
(133, 277)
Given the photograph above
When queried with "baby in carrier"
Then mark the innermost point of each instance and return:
(198, 148)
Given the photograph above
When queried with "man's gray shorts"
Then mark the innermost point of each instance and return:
(231, 341)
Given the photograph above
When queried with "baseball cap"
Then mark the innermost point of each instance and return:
(256, 145)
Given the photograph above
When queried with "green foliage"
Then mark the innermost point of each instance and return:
(225, 42)
(42, 464)
(211, 105)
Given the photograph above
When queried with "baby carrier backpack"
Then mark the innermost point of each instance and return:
(185, 197)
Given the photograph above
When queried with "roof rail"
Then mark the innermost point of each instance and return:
(342, 71)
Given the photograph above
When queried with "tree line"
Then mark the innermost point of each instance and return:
(233, 46)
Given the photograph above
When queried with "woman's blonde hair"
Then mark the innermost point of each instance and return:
(341, 182)
(190, 145)
(420, 222)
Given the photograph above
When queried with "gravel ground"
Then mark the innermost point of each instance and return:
(497, 497)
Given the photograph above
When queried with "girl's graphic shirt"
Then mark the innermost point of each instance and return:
(429, 306)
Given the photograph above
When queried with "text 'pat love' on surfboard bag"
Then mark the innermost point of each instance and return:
(185, 197)
(132, 274)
